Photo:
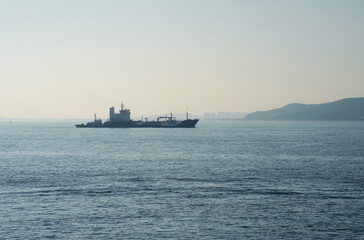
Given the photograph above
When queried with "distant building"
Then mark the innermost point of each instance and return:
(209, 115)
(231, 115)
(225, 115)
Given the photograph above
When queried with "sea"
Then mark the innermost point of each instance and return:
(224, 179)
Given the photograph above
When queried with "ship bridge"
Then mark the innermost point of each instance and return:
(122, 116)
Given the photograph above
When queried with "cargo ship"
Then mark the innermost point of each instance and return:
(123, 120)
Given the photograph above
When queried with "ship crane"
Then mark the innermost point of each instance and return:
(170, 119)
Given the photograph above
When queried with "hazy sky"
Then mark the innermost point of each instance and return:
(69, 59)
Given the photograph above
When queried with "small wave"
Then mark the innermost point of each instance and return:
(275, 192)
(133, 179)
(188, 179)
(210, 180)
(30, 192)
(104, 191)
(60, 192)
(341, 197)
(263, 192)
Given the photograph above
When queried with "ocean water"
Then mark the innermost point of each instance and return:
(221, 180)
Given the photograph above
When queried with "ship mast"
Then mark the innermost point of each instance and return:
(186, 113)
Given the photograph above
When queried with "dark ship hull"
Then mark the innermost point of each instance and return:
(189, 123)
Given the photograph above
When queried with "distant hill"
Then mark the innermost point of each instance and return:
(347, 109)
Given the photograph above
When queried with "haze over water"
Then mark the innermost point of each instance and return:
(69, 59)
(222, 180)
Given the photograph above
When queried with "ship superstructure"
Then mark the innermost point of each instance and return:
(122, 116)
(123, 120)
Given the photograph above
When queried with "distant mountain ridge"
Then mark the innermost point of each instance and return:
(347, 109)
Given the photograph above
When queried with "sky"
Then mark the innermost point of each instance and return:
(73, 58)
